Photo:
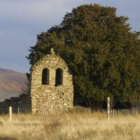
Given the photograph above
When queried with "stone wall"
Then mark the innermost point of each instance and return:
(51, 97)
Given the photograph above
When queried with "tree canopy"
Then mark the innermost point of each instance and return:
(100, 49)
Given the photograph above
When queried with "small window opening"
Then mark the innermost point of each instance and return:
(59, 77)
(45, 76)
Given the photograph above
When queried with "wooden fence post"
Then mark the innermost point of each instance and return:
(10, 113)
(18, 110)
(108, 108)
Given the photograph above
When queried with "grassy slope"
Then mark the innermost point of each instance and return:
(12, 83)
(71, 126)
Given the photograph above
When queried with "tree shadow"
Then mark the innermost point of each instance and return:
(7, 138)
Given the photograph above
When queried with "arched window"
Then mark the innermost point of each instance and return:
(59, 77)
(45, 76)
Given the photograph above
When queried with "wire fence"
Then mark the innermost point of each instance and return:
(16, 110)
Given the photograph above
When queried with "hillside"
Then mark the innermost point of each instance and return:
(12, 84)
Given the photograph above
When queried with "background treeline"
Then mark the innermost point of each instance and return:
(102, 53)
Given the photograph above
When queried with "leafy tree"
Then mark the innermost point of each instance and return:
(100, 49)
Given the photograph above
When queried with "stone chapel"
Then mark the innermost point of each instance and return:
(51, 86)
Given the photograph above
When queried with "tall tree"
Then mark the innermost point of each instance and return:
(100, 49)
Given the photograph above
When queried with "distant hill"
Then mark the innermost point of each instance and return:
(12, 84)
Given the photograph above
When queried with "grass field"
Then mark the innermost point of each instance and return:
(70, 126)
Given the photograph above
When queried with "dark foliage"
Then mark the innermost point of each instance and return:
(100, 49)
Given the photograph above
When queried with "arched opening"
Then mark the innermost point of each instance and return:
(59, 77)
(45, 76)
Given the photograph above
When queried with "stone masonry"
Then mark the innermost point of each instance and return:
(51, 96)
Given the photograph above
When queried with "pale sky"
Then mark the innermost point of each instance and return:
(22, 20)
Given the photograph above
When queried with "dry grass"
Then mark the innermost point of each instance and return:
(71, 126)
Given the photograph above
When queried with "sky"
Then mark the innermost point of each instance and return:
(22, 20)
